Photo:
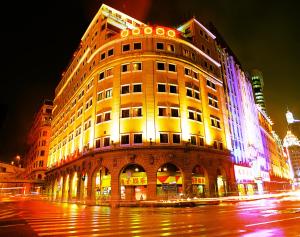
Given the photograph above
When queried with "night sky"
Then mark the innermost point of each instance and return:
(39, 38)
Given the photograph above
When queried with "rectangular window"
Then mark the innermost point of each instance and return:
(137, 138)
(193, 140)
(106, 141)
(211, 84)
(99, 118)
(137, 66)
(110, 52)
(100, 96)
(220, 145)
(164, 138)
(198, 117)
(101, 76)
(125, 113)
(189, 92)
(174, 112)
(196, 95)
(176, 138)
(124, 139)
(161, 87)
(125, 67)
(173, 89)
(195, 75)
(125, 47)
(160, 46)
(187, 71)
(172, 67)
(125, 89)
(109, 72)
(97, 143)
(215, 121)
(162, 111)
(212, 100)
(42, 153)
(137, 46)
(160, 66)
(171, 48)
(137, 112)
(108, 93)
(107, 116)
(215, 145)
(102, 56)
(201, 141)
(191, 115)
(137, 88)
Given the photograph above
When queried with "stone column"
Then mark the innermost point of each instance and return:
(187, 184)
(151, 186)
(115, 189)
(90, 188)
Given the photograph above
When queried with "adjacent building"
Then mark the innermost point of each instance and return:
(38, 146)
(258, 88)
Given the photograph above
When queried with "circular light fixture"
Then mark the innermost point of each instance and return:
(136, 31)
(148, 30)
(160, 31)
(171, 33)
(124, 33)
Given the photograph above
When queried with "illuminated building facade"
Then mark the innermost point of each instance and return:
(292, 145)
(38, 144)
(258, 87)
(138, 115)
(244, 138)
(278, 165)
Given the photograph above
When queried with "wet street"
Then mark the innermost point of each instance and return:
(268, 217)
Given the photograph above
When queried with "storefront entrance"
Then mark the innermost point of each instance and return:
(169, 182)
(103, 185)
(133, 183)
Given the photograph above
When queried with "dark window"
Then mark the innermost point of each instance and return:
(191, 115)
(101, 75)
(193, 140)
(160, 66)
(171, 48)
(137, 46)
(137, 112)
(102, 56)
(125, 113)
(161, 87)
(199, 119)
(99, 118)
(174, 112)
(162, 111)
(187, 71)
(215, 145)
(201, 140)
(125, 47)
(106, 141)
(42, 153)
(125, 139)
(97, 145)
(125, 89)
(160, 46)
(125, 67)
(172, 67)
(137, 138)
(48, 111)
(110, 52)
(107, 117)
(176, 138)
(164, 138)
(189, 92)
(137, 66)
(173, 89)
(197, 95)
(221, 146)
(137, 88)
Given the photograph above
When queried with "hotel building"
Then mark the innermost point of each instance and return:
(138, 115)
(151, 112)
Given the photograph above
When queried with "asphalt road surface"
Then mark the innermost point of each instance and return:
(262, 218)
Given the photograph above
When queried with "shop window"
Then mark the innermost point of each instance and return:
(97, 143)
(193, 140)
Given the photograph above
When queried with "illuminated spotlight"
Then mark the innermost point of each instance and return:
(136, 169)
(171, 33)
(148, 30)
(136, 31)
(160, 31)
(124, 33)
